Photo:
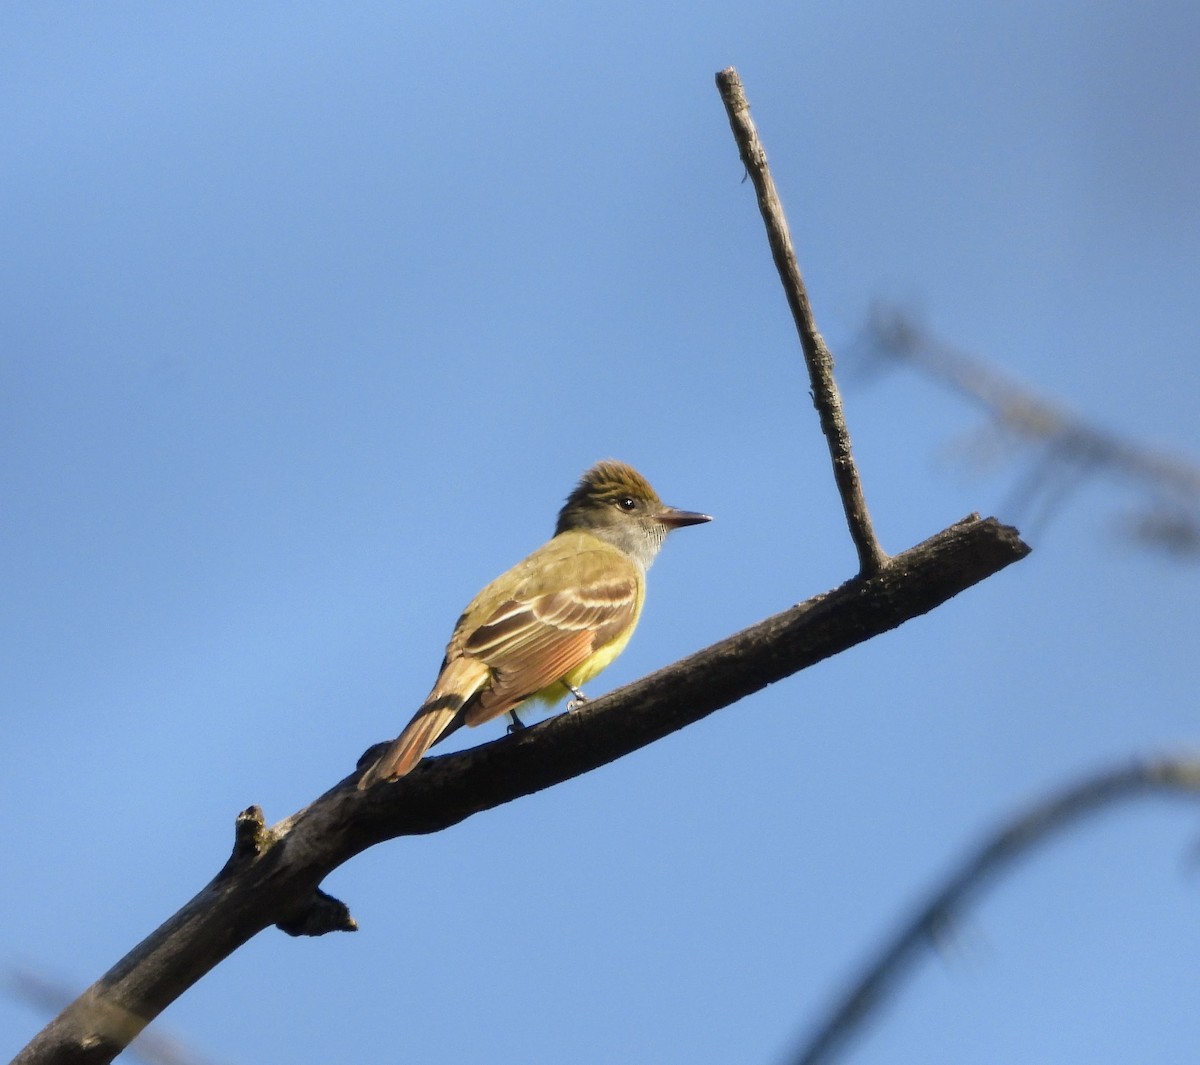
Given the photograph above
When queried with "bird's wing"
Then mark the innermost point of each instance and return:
(534, 639)
(568, 600)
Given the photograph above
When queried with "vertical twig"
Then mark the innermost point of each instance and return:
(871, 557)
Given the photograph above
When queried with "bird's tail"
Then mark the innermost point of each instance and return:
(454, 688)
(407, 749)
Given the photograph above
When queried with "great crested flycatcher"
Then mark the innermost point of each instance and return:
(553, 621)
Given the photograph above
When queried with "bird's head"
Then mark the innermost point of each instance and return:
(616, 503)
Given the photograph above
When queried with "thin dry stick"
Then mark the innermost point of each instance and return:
(826, 399)
(1013, 841)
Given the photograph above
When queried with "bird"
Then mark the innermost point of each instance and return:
(546, 627)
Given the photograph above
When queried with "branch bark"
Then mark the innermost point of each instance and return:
(273, 875)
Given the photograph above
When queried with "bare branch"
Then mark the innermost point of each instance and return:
(825, 395)
(1012, 841)
(274, 874)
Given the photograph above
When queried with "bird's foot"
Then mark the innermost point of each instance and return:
(516, 725)
(576, 702)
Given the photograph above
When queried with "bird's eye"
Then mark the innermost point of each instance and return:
(627, 503)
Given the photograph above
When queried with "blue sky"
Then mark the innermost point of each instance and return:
(311, 317)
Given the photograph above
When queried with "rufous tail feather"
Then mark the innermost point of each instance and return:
(459, 680)
(408, 749)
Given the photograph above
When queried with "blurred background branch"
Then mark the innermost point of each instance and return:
(49, 996)
(1016, 839)
(1062, 449)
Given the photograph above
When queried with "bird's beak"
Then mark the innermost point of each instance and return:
(677, 519)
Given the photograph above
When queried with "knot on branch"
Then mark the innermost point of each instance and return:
(319, 914)
(251, 838)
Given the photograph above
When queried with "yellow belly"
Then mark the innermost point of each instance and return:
(590, 667)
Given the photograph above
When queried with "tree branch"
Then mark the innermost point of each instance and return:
(274, 874)
(826, 398)
(1014, 840)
